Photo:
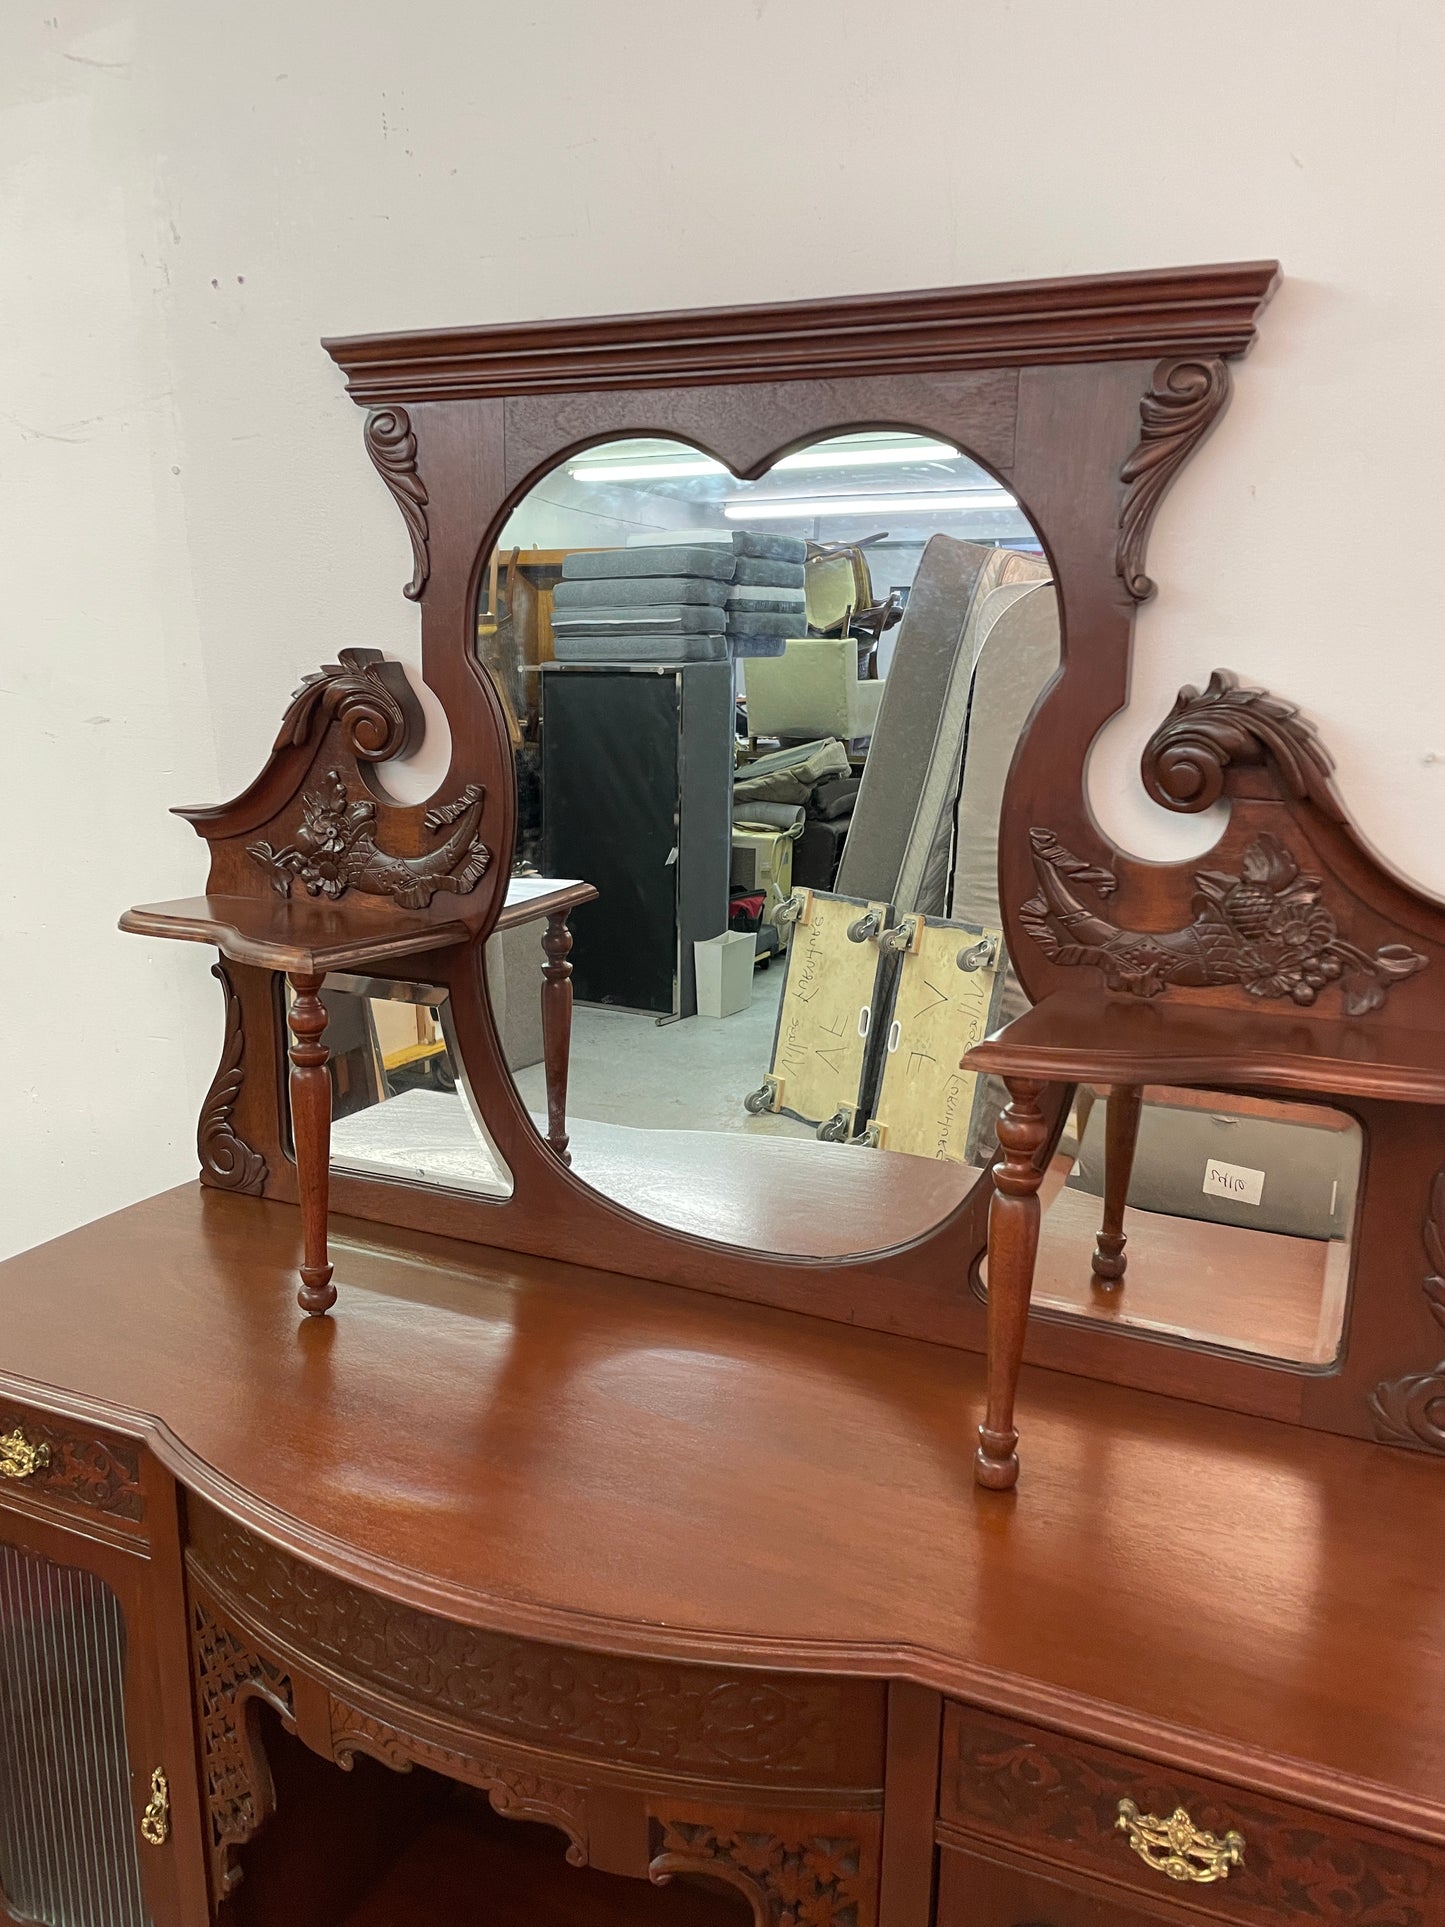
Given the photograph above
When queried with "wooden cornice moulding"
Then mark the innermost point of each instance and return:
(1191, 312)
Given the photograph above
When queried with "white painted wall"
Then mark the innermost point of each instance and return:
(191, 194)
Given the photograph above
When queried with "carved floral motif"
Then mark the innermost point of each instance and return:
(686, 1718)
(227, 1161)
(239, 1794)
(515, 1792)
(1264, 930)
(101, 1473)
(1047, 1794)
(1225, 723)
(1183, 402)
(392, 447)
(1411, 1411)
(336, 850)
(793, 1875)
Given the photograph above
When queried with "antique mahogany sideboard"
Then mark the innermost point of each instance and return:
(707, 1589)
(576, 1570)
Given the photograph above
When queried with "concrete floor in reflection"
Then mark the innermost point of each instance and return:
(691, 1075)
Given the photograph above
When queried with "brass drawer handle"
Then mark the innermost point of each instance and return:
(19, 1458)
(155, 1822)
(1177, 1847)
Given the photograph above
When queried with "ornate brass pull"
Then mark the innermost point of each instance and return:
(19, 1458)
(1177, 1847)
(155, 1822)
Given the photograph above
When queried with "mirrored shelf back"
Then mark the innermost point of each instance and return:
(786, 631)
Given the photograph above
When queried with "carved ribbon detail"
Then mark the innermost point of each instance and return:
(1411, 1411)
(392, 447)
(1183, 401)
(1264, 930)
(227, 1161)
(1185, 759)
(336, 850)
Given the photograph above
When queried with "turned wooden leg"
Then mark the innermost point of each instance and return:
(1121, 1132)
(557, 1027)
(1013, 1242)
(311, 1129)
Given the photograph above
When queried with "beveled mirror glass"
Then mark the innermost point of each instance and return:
(769, 722)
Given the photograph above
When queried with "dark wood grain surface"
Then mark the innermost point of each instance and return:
(605, 1462)
(1092, 1037)
(301, 935)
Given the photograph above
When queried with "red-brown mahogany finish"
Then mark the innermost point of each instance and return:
(1046, 383)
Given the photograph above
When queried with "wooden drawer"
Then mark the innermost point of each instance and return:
(1059, 1801)
(974, 1892)
(69, 1464)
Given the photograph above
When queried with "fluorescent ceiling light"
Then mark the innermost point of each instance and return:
(646, 471)
(745, 508)
(865, 455)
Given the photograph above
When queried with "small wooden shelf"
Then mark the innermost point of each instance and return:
(1091, 1036)
(305, 936)
(461, 1874)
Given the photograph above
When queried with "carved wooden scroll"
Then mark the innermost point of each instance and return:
(392, 448)
(1183, 403)
(227, 1161)
(1411, 1411)
(1226, 724)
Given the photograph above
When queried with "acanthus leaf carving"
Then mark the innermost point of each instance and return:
(368, 695)
(1410, 1411)
(1184, 399)
(1264, 930)
(392, 447)
(239, 1793)
(227, 1161)
(797, 1870)
(336, 850)
(517, 1793)
(1226, 723)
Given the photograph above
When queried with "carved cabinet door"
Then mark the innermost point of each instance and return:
(86, 1779)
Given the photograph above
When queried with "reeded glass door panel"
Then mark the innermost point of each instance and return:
(68, 1852)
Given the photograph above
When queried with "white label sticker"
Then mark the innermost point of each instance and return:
(1235, 1181)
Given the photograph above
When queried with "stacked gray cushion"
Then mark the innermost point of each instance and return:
(768, 602)
(635, 592)
(602, 565)
(769, 548)
(641, 648)
(759, 572)
(653, 619)
(661, 603)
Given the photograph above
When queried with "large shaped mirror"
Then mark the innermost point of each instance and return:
(769, 724)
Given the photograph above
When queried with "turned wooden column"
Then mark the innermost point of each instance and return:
(311, 1130)
(1121, 1133)
(1013, 1242)
(557, 1026)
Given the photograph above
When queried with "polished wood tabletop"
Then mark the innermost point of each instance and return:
(587, 1458)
